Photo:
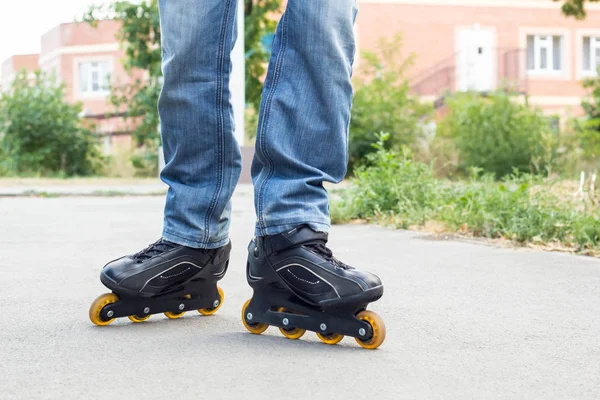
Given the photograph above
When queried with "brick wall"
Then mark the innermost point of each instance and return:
(430, 30)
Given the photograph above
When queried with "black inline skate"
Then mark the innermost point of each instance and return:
(163, 278)
(299, 285)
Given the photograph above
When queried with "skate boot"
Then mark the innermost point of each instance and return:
(298, 285)
(163, 278)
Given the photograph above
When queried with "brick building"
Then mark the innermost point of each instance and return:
(11, 66)
(86, 60)
(481, 44)
(458, 44)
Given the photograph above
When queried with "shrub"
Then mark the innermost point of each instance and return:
(588, 129)
(392, 183)
(42, 134)
(499, 135)
(145, 162)
(383, 103)
(522, 207)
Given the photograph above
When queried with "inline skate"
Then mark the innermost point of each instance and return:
(298, 286)
(163, 278)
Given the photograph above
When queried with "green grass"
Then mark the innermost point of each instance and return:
(395, 190)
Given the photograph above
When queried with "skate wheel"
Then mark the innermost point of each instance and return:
(172, 315)
(293, 333)
(331, 338)
(137, 318)
(97, 306)
(210, 311)
(256, 329)
(373, 319)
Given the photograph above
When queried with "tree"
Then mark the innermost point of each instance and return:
(575, 8)
(40, 133)
(140, 36)
(259, 24)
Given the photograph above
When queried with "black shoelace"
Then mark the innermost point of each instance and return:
(323, 250)
(154, 249)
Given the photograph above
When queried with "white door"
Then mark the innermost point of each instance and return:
(475, 60)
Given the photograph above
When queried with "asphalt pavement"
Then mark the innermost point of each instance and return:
(464, 320)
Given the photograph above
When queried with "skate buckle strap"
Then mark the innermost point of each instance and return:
(295, 237)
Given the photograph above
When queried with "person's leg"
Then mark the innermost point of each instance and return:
(202, 157)
(179, 272)
(302, 142)
(302, 136)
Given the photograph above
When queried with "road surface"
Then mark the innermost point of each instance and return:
(463, 320)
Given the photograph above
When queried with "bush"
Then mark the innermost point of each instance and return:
(588, 129)
(383, 103)
(145, 162)
(395, 189)
(499, 135)
(41, 134)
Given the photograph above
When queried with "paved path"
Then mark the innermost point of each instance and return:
(147, 189)
(464, 320)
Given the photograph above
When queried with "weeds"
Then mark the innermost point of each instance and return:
(396, 190)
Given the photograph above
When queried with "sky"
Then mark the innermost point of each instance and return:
(23, 22)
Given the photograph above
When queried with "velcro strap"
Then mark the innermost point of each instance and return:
(295, 237)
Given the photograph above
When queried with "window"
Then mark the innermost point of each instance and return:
(591, 54)
(544, 53)
(94, 78)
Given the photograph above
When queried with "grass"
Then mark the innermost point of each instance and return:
(394, 190)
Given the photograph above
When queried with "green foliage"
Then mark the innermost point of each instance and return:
(140, 36)
(41, 134)
(383, 103)
(250, 124)
(575, 8)
(499, 135)
(259, 23)
(145, 163)
(395, 189)
(589, 128)
(390, 181)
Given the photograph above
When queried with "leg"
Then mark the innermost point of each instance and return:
(202, 157)
(302, 137)
(180, 271)
(302, 141)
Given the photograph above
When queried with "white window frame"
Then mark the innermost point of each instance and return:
(78, 92)
(565, 61)
(545, 42)
(582, 73)
(594, 58)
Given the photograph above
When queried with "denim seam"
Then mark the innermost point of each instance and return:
(220, 123)
(278, 228)
(201, 244)
(266, 118)
(299, 223)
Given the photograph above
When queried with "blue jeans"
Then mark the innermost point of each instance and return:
(302, 138)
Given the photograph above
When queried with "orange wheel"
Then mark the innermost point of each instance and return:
(373, 319)
(256, 329)
(332, 338)
(292, 333)
(97, 306)
(172, 315)
(137, 318)
(219, 303)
